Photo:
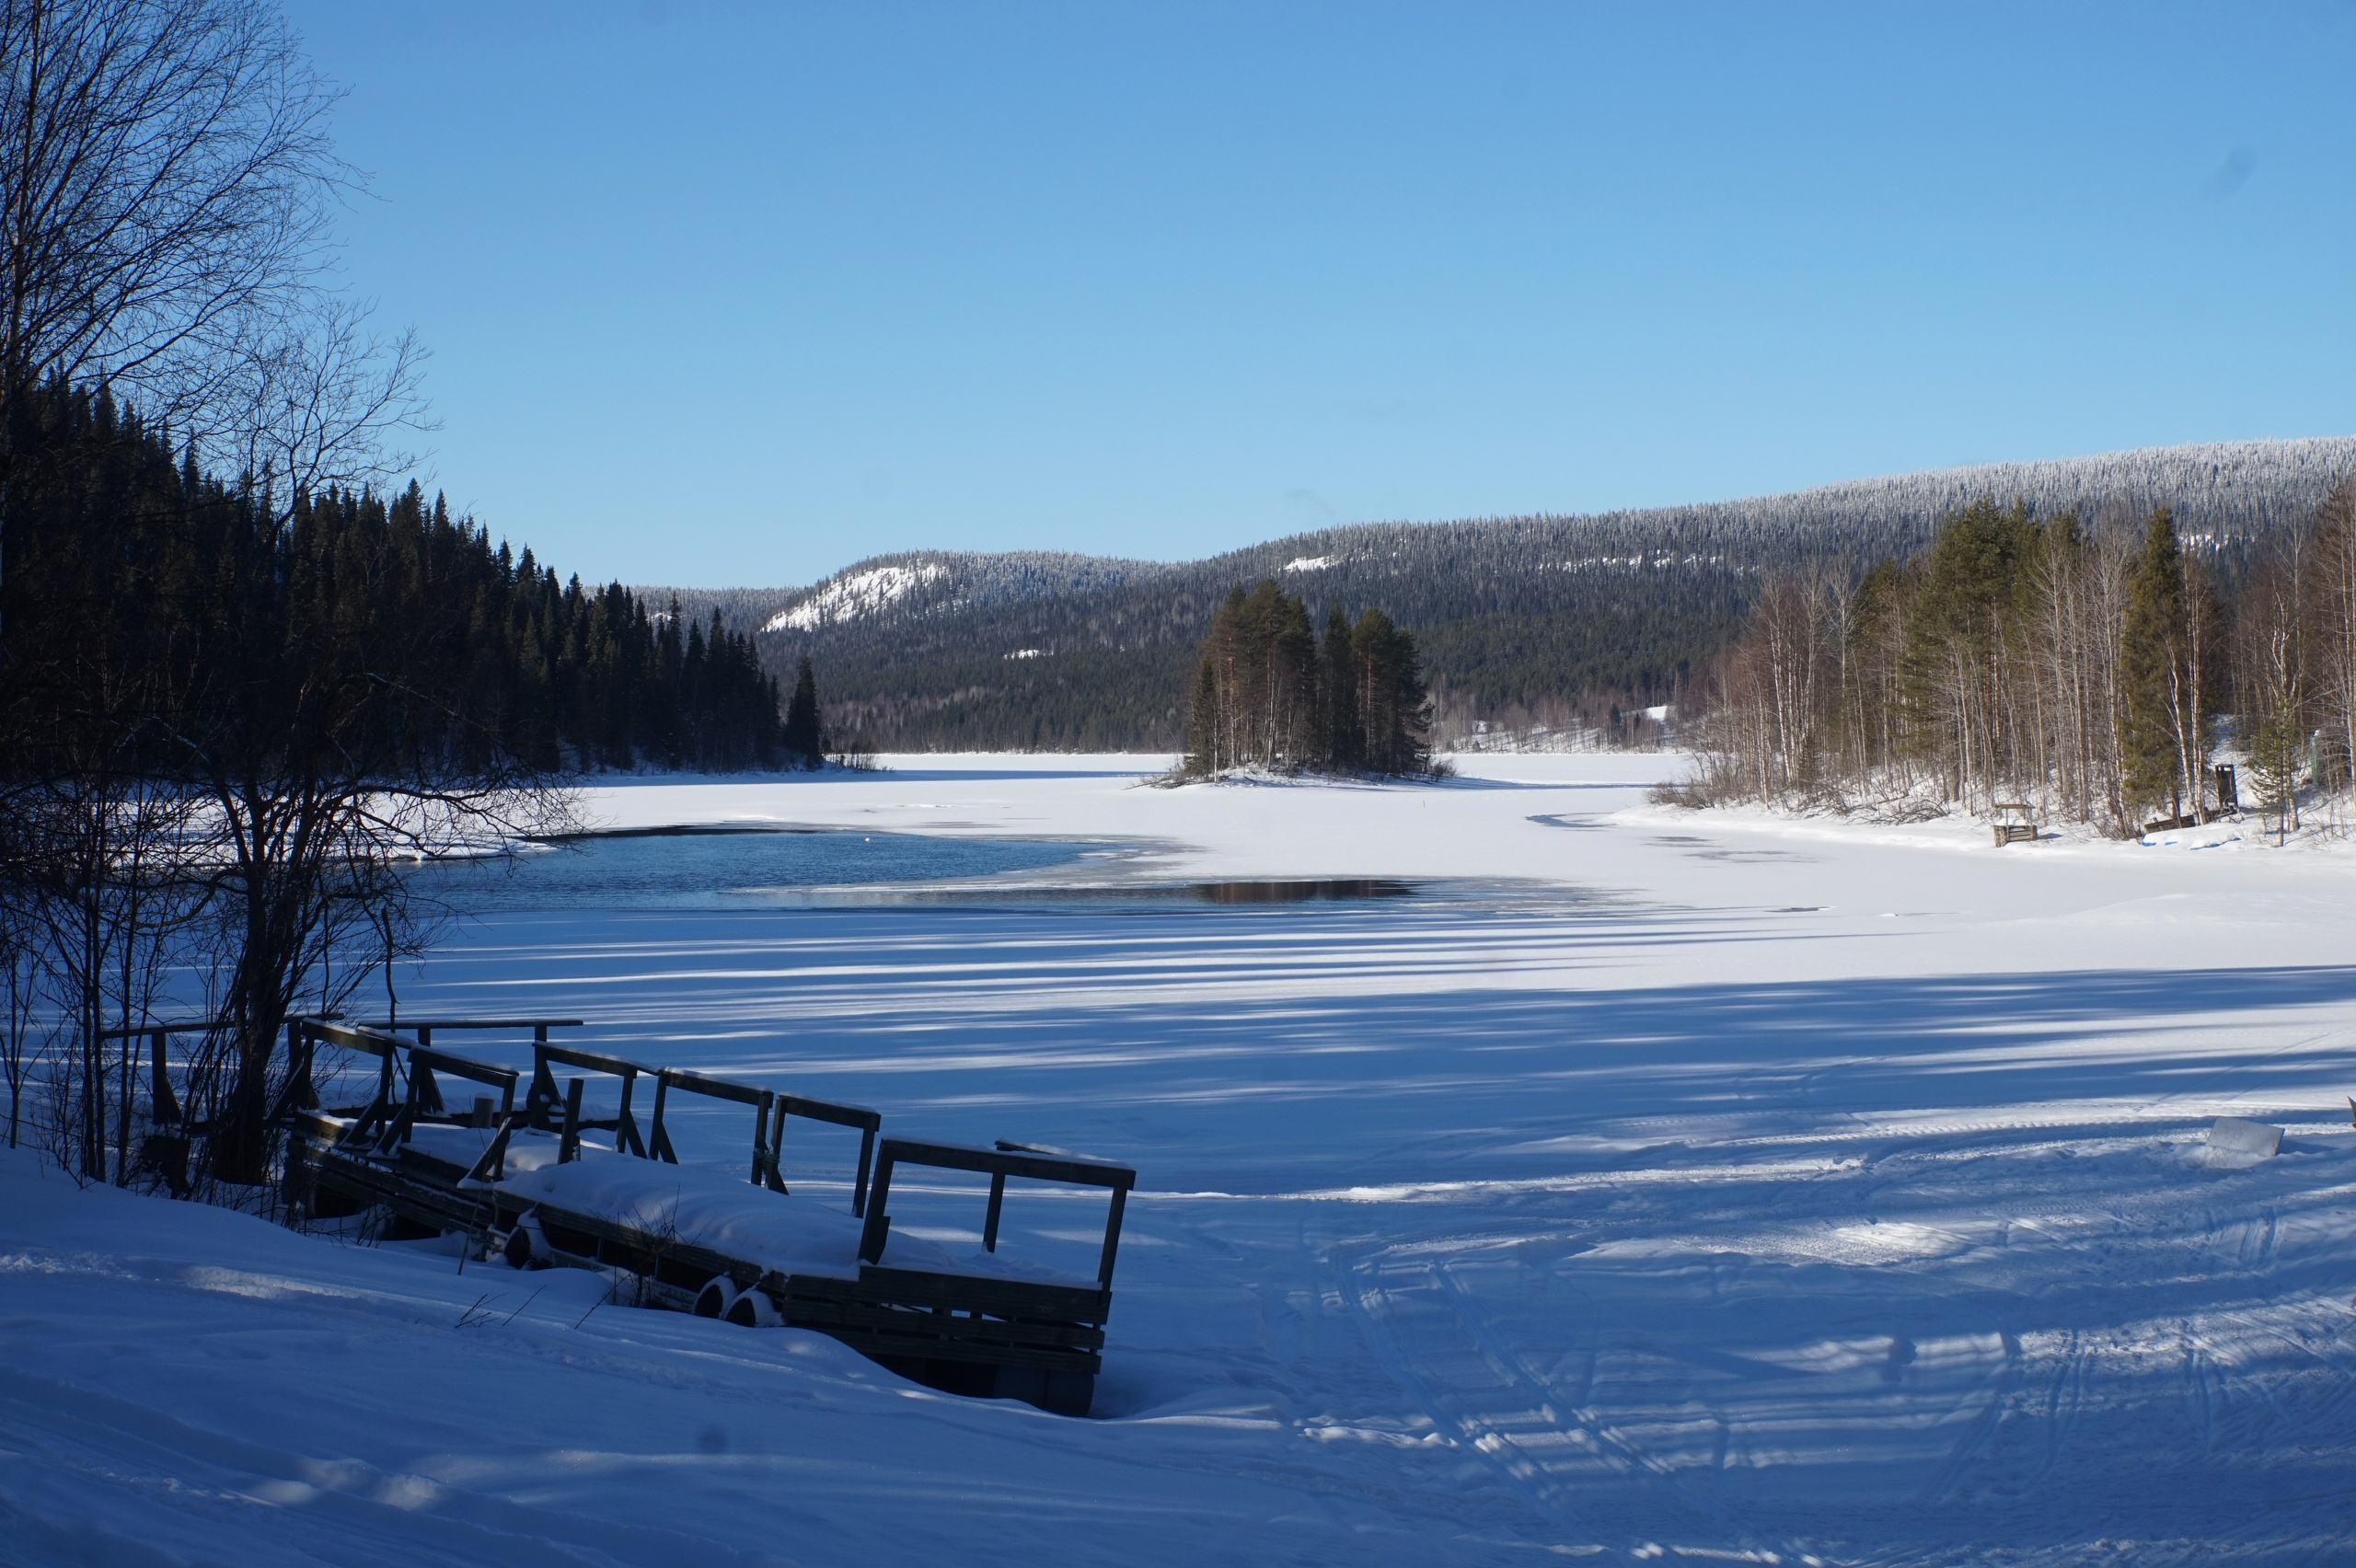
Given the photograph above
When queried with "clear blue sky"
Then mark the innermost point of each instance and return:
(736, 294)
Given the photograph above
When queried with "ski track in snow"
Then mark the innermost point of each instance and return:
(1666, 1191)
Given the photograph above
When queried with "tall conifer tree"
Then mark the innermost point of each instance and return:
(2166, 662)
(805, 740)
(1344, 739)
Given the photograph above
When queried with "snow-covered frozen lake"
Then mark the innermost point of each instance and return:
(1587, 1179)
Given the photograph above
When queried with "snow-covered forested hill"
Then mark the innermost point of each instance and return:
(1028, 649)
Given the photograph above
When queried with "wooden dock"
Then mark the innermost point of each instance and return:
(495, 1172)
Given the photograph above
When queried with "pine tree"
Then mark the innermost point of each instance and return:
(805, 740)
(1345, 740)
(1394, 707)
(1267, 694)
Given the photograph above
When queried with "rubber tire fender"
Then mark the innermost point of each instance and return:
(754, 1309)
(527, 1245)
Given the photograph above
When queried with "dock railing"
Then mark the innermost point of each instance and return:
(167, 1134)
(1007, 1160)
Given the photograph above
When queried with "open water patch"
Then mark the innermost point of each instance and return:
(722, 868)
(758, 867)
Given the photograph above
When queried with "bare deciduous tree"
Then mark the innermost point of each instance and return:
(168, 180)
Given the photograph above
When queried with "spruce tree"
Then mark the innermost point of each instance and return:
(805, 741)
(1966, 615)
(2276, 750)
(2163, 721)
(1202, 720)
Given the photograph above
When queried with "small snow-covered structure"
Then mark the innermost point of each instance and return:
(523, 1182)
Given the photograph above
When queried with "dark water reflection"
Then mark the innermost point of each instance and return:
(1302, 892)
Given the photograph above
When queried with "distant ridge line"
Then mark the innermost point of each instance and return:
(2130, 479)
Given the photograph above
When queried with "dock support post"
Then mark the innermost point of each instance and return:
(1112, 1237)
(164, 1108)
(878, 1229)
(866, 1158)
(777, 1146)
(567, 1148)
(658, 1142)
(626, 1138)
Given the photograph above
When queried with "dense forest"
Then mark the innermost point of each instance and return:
(133, 578)
(2085, 669)
(1270, 693)
(1569, 618)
